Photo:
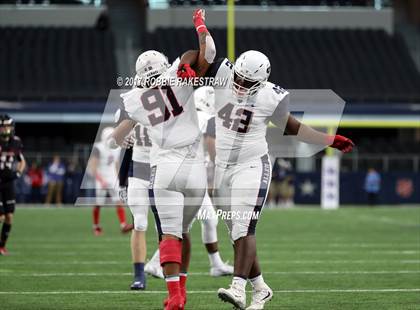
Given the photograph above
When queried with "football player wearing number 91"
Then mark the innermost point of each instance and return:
(178, 174)
(243, 170)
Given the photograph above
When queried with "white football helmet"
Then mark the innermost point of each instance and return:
(204, 99)
(150, 64)
(249, 74)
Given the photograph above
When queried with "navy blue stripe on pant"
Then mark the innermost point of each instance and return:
(152, 202)
(262, 193)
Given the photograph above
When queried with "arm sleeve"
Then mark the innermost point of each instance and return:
(211, 128)
(280, 114)
(120, 116)
(125, 166)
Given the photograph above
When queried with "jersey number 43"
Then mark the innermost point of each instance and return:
(153, 100)
(239, 124)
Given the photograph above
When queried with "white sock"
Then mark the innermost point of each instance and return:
(174, 278)
(215, 259)
(155, 260)
(257, 282)
(240, 282)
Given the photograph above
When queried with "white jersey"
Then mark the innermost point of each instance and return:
(241, 125)
(168, 113)
(203, 121)
(142, 146)
(108, 159)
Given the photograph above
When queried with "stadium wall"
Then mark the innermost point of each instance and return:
(280, 17)
(396, 188)
(51, 15)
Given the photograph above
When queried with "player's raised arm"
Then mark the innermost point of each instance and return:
(202, 59)
(207, 47)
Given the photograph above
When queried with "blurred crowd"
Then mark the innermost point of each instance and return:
(57, 182)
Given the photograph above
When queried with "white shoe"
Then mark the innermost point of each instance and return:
(221, 270)
(154, 270)
(234, 295)
(259, 298)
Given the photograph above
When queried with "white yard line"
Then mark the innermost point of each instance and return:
(101, 243)
(279, 261)
(113, 274)
(387, 220)
(304, 252)
(387, 290)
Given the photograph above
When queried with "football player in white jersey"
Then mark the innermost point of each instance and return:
(204, 102)
(243, 110)
(103, 167)
(178, 178)
(136, 191)
(134, 188)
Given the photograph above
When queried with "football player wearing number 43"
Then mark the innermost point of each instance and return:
(243, 169)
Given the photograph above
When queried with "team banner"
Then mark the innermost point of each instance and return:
(330, 182)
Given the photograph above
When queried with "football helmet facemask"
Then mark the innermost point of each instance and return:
(250, 73)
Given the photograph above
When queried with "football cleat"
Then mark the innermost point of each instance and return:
(221, 270)
(97, 231)
(260, 297)
(137, 285)
(184, 299)
(3, 251)
(126, 228)
(154, 270)
(174, 303)
(233, 295)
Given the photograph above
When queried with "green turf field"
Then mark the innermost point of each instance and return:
(353, 258)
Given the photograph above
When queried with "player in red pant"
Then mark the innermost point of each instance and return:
(103, 166)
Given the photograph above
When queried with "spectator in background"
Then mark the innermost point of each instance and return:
(372, 186)
(281, 189)
(36, 177)
(55, 173)
(72, 182)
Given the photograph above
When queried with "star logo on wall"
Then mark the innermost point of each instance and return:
(307, 188)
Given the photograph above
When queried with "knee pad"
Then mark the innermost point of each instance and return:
(140, 223)
(239, 231)
(209, 230)
(170, 251)
(139, 213)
